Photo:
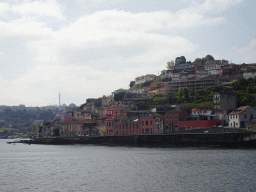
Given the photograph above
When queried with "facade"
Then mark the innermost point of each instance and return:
(71, 128)
(166, 73)
(122, 126)
(225, 100)
(247, 75)
(199, 123)
(206, 114)
(219, 62)
(147, 124)
(106, 100)
(158, 123)
(142, 79)
(240, 116)
(171, 119)
(110, 112)
(221, 114)
(191, 84)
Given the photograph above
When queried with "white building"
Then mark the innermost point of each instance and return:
(166, 73)
(238, 117)
(221, 114)
(247, 75)
(142, 79)
(208, 113)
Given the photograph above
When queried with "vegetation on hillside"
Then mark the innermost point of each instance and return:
(246, 92)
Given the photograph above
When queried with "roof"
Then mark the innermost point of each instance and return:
(239, 110)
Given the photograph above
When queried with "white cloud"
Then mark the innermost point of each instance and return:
(49, 8)
(186, 19)
(91, 57)
(245, 54)
(25, 26)
(40, 86)
(3, 8)
(196, 15)
(115, 35)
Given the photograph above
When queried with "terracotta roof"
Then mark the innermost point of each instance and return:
(239, 110)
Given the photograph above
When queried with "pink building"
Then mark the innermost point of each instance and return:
(109, 112)
(71, 128)
(66, 117)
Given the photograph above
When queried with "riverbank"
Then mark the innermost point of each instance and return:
(232, 139)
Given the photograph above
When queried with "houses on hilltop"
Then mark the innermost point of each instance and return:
(117, 114)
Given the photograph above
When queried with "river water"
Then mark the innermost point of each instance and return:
(102, 169)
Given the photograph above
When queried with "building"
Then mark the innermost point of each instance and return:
(227, 99)
(158, 123)
(121, 125)
(166, 73)
(110, 112)
(142, 79)
(199, 123)
(191, 84)
(238, 117)
(71, 128)
(147, 124)
(247, 75)
(206, 114)
(171, 119)
(107, 100)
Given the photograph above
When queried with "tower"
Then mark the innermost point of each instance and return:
(59, 99)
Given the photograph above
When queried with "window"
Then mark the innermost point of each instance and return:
(142, 122)
(150, 122)
(146, 122)
(245, 116)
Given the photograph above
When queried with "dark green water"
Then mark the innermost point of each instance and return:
(97, 168)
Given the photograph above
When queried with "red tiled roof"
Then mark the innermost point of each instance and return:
(239, 110)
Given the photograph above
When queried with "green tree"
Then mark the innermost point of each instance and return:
(158, 79)
(132, 83)
(198, 59)
(170, 64)
(209, 58)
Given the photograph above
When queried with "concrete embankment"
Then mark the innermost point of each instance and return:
(247, 139)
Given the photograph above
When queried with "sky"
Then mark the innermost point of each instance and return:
(87, 49)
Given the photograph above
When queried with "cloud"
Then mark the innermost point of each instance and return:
(91, 57)
(3, 8)
(40, 86)
(245, 54)
(50, 8)
(186, 20)
(120, 37)
(197, 14)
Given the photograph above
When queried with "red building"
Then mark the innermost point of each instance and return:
(122, 125)
(147, 124)
(200, 123)
(172, 118)
(110, 112)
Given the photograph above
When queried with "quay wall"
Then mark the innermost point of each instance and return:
(188, 139)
